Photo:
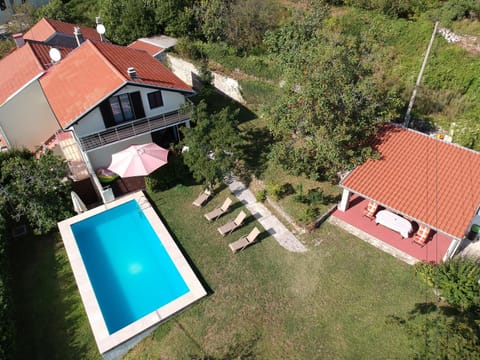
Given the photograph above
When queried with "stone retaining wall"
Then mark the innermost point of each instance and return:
(190, 74)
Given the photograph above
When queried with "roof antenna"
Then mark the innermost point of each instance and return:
(100, 27)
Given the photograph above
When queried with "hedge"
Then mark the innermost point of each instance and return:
(6, 312)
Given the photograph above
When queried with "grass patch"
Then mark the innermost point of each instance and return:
(332, 302)
(50, 318)
(304, 212)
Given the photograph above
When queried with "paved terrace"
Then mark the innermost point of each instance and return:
(269, 221)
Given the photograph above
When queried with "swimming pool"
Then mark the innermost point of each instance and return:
(129, 271)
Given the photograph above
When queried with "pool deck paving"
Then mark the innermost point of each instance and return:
(269, 221)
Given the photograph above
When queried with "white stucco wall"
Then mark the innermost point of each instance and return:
(93, 122)
(103, 156)
(27, 119)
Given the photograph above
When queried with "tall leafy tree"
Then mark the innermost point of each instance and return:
(331, 102)
(175, 17)
(213, 143)
(212, 17)
(35, 189)
(55, 9)
(127, 20)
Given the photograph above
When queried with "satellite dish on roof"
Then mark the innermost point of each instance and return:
(101, 29)
(55, 54)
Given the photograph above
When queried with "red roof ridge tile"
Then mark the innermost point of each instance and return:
(434, 138)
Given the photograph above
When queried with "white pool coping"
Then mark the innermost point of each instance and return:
(104, 340)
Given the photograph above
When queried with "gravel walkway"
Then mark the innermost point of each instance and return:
(273, 226)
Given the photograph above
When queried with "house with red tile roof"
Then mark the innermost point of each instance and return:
(105, 96)
(418, 182)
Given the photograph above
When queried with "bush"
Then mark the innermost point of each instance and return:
(456, 279)
(275, 191)
(241, 172)
(168, 175)
(7, 329)
(308, 214)
(261, 195)
(299, 194)
(315, 196)
(278, 191)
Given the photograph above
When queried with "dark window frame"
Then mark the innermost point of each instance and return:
(155, 99)
(122, 108)
(133, 111)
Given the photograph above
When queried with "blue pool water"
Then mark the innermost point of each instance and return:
(130, 270)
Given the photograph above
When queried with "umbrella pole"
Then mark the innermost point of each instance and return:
(125, 186)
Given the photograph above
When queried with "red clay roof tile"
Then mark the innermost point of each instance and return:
(149, 70)
(149, 48)
(45, 28)
(18, 68)
(432, 181)
(79, 82)
(93, 71)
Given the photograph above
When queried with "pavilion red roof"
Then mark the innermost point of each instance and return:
(432, 181)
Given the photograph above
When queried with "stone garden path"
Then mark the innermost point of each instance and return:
(269, 221)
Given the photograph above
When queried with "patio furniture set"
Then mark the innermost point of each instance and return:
(230, 226)
(396, 223)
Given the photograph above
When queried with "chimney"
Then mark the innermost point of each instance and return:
(19, 40)
(132, 73)
(78, 35)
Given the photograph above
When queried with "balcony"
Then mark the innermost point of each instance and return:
(132, 129)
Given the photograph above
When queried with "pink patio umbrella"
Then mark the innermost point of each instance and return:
(138, 160)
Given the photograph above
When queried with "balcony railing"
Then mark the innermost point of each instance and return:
(132, 129)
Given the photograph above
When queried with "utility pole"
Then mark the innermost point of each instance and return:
(419, 78)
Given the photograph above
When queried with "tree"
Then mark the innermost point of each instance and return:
(127, 20)
(5, 47)
(21, 18)
(445, 332)
(331, 103)
(213, 144)
(55, 9)
(175, 17)
(35, 189)
(212, 17)
(248, 22)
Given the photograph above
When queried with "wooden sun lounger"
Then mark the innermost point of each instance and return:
(229, 227)
(200, 200)
(216, 213)
(245, 241)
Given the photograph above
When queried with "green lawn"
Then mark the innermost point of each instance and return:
(332, 302)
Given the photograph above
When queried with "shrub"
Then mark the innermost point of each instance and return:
(261, 195)
(299, 194)
(456, 279)
(308, 214)
(275, 191)
(7, 329)
(315, 196)
(242, 172)
(168, 175)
